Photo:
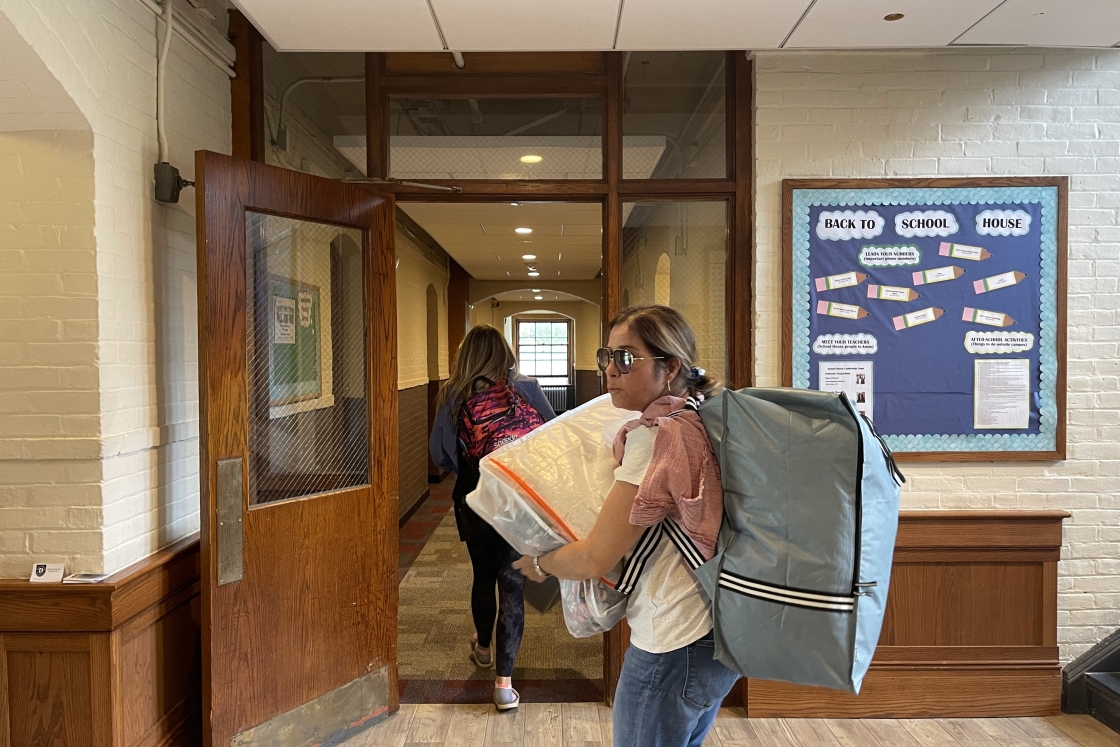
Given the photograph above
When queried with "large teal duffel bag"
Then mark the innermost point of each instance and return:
(800, 576)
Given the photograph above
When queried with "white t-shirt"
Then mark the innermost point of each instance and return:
(668, 608)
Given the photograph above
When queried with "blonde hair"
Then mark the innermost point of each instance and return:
(484, 358)
(667, 335)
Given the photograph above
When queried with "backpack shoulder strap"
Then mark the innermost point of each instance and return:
(647, 543)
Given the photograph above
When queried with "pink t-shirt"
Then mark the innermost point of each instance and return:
(682, 480)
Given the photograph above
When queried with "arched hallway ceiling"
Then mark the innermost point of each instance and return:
(546, 296)
(31, 98)
(650, 25)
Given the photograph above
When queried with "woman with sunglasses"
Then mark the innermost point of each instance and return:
(670, 687)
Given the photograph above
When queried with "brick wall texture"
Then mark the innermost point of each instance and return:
(975, 113)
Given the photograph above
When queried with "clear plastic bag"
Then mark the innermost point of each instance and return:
(591, 606)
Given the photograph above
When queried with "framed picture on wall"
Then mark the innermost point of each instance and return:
(938, 307)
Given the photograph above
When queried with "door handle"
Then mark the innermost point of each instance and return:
(230, 535)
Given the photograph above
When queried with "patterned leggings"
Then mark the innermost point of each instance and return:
(492, 559)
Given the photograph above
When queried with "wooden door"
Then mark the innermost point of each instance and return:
(298, 418)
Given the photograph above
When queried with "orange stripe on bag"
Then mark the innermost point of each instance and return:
(572, 536)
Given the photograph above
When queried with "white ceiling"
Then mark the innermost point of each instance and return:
(651, 25)
(567, 238)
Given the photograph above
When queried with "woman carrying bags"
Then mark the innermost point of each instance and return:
(670, 687)
(483, 405)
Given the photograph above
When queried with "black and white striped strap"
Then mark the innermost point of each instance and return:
(786, 594)
(647, 543)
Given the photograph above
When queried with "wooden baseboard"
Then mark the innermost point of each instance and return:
(970, 628)
(115, 664)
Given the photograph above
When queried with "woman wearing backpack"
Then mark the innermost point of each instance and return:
(484, 404)
(670, 687)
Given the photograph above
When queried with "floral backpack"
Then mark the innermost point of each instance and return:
(493, 418)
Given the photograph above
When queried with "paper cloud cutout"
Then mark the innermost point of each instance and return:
(988, 343)
(1003, 223)
(890, 256)
(834, 225)
(925, 223)
(859, 344)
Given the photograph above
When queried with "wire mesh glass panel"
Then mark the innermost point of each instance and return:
(306, 336)
(678, 98)
(677, 252)
(543, 351)
(495, 138)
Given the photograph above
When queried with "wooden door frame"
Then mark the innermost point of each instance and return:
(584, 74)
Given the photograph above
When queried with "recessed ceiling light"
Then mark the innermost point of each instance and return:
(534, 274)
(523, 230)
(528, 256)
(531, 159)
(536, 290)
(515, 204)
(538, 298)
(893, 17)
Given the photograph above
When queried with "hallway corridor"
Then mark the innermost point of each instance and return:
(434, 626)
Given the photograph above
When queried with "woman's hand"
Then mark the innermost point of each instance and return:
(528, 570)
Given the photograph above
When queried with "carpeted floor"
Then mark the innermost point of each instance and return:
(434, 627)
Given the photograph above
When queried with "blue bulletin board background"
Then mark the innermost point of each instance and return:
(923, 375)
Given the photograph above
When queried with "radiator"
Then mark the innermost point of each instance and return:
(560, 397)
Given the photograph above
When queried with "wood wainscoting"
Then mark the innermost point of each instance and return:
(114, 664)
(970, 628)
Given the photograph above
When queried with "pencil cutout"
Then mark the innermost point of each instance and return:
(914, 318)
(843, 280)
(995, 282)
(842, 310)
(992, 318)
(963, 251)
(940, 275)
(891, 293)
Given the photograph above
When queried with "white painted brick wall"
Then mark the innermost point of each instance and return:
(974, 113)
(103, 52)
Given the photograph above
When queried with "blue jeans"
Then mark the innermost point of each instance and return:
(670, 699)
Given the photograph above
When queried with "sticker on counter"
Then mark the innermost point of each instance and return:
(995, 282)
(842, 310)
(996, 343)
(914, 318)
(891, 293)
(857, 344)
(940, 275)
(890, 256)
(991, 318)
(843, 280)
(964, 251)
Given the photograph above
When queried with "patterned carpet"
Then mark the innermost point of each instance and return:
(434, 626)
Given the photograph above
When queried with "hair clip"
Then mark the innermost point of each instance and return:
(697, 372)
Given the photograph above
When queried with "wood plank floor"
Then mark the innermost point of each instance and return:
(589, 725)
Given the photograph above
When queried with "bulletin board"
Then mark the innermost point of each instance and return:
(295, 371)
(936, 305)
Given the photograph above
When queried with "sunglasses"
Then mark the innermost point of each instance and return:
(623, 359)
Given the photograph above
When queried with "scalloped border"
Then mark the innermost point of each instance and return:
(1047, 197)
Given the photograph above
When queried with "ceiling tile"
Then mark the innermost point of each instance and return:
(1052, 23)
(707, 24)
(504, 26)
(344, 25)
(860, 23)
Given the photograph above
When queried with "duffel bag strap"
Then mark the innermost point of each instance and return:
(647, 543)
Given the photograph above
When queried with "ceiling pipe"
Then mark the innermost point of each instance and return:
(281, 141)
(535, 122)
(459, 61)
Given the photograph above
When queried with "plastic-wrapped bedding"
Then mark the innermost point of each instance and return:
(546, 489)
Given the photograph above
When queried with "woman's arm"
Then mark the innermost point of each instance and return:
(610, 539)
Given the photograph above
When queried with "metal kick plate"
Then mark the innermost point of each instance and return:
(231, 536)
